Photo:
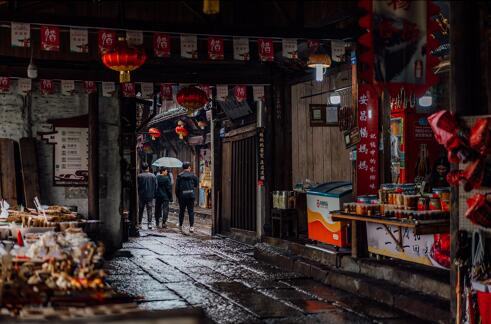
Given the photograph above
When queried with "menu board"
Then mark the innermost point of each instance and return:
(71, 148)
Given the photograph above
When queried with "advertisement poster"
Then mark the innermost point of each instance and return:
(161, 45)
(189, 46)
(90, 87)
(67, 87)
(367, 163)
(146, 89)
(240, 92)
(128, 89)
(134, 37)
(24, 86)
(46, 87)
(215, 48)
(71, 145)
(166, 91)
(399, 41)
(241, 49)
(79, 40)
(20, 35)
(108, 89)
(106, 40)
(266, 50)
(50, 38)
(428, 249)
(4, 84)
(222, 92)
(290, 48)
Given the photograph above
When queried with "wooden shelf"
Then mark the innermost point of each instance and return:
(420, 226)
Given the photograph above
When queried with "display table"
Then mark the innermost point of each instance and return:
(419, 227)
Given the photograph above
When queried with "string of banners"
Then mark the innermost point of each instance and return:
(162, 45)
(147, 90)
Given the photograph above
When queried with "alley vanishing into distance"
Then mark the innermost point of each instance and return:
(169, 270)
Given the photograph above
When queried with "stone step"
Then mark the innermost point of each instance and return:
(423, 306)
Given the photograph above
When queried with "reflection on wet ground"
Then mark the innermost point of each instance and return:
(170, 270)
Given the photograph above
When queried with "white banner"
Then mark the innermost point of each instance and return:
(20, 34)
(290, 48)
(189, 46)
(108, 89)
(134, 37)
(79, 40)
(222, 92)
(258, 92)
(337, 51)
(241, 49)
(24, 86)
(146, 89)
(67, 87)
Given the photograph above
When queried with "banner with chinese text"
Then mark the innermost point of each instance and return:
(367, 155)
(79, 40)
(50, 38)
(266, 50)
(106, 40)
(215, 48)
(161, 45)
(20, 35)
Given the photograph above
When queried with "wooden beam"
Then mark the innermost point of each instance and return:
(93, 190)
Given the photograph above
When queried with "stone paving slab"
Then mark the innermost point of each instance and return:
(170, 271)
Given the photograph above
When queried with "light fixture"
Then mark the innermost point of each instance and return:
(32, 69)
(426, 100)
(320, 62)
(211, 7)
(334, 98)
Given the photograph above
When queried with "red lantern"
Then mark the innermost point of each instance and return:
(191, 98)
(154, 133)
(124, 59)
(181, 131)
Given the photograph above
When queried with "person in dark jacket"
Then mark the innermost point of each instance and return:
(186, 183)
(147, 186)
(163, 196)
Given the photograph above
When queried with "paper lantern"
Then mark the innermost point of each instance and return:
(124, 59)
(154, 133)
(191, 98)
(181, 130)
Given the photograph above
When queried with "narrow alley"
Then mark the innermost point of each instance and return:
(169, 270)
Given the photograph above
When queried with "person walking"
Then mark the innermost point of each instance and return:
(147, 186)
(163, 197)
(186, 183)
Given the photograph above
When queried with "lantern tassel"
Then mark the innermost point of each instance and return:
(124, 76)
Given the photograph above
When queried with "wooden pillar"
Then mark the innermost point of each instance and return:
(93, 188)
(465, 99)
(216, 173)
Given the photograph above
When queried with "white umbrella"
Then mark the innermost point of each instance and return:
(167, 162)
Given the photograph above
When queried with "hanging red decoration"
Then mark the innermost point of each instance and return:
(191, 98)
(154, 133)
(181, 130)
(124, 59)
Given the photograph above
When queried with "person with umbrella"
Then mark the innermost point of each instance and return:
(163, 197)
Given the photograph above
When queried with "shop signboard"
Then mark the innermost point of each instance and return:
(50, 38)
(79, 40)
(189, 46)
(261, 157)
(241, 49)
(20, 35)
(215, 48)
(367, 163)
(429, 249)
(161, 45)
(70, 138)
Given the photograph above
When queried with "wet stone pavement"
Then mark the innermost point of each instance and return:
(170, 270)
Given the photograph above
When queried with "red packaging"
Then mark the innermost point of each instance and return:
(480, 138)
(479, 210)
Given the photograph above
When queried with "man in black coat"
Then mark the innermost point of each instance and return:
(163, 197)
(186, 183)
(147, 186)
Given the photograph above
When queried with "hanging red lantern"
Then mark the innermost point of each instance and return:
(181, 130)
(124, 59)
(154, 133)
(191, 98)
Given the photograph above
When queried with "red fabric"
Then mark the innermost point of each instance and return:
(479, 210)
(484, 302)
(480, 138)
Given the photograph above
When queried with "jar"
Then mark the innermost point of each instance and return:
(443, 193)
(435, 203)
(410, 202)
(399, 199)
(423, 203)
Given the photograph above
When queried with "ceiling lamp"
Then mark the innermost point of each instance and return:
(191, 98)
(320, 62)
(124, 59)
(334, 98)
(211, 7)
